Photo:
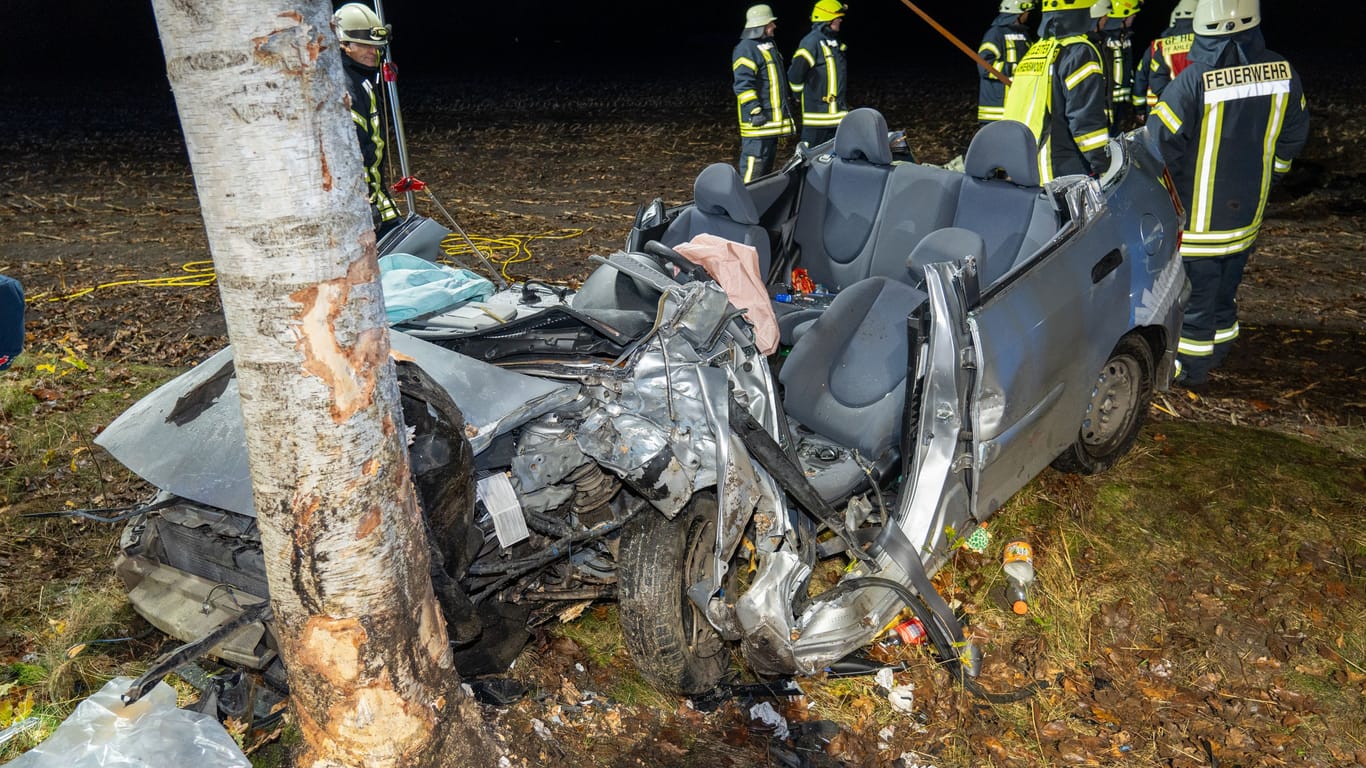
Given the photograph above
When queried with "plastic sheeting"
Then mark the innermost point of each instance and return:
(104, 733)
(414, 287)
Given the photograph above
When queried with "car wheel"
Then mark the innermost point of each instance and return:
(669, 638)
(1114, 415)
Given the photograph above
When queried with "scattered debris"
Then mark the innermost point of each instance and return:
(104, 732)
(766, 714)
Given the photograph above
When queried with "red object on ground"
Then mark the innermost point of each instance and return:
(910, 632)
(409, 184)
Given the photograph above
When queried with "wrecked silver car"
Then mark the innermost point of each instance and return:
(629, 440)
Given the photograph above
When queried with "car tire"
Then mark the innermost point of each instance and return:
(1119, 402)
(670, 640)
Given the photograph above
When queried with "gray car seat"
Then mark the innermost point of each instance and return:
(858, 177)
(845, 379)
(838, 221)
(952, 244)
(1000, 195)
(722, 206)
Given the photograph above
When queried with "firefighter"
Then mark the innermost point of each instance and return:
(761, 93)
(818, 75)
(1228, 128)
(1164, 59)
(1117, 44)
(1059, 91)
(1004, 44)
(362, 37)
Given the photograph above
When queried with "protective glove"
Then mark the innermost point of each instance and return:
(757, 117)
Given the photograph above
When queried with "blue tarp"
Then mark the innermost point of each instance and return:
(415, 287)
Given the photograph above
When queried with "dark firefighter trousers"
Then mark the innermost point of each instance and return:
(757, 156)
(1210, 325)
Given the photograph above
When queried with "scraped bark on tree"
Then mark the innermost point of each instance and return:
(260, 91)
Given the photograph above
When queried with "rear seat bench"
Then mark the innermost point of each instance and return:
(863, 217)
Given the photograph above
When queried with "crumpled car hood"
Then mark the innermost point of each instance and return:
(187, 437)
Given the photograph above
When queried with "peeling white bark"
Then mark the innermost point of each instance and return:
(260, 91)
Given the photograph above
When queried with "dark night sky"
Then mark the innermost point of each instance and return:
(99, 39)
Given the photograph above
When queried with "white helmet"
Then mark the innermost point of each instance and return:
(1183, 10)
(356, 23)
(1101, 9)
(1017, 6)
(1215, 18)
(759, 16)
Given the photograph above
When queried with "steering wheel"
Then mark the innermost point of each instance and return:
(690, 270)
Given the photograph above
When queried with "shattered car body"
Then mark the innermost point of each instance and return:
(628, 440)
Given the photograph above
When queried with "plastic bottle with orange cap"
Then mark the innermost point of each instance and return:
(1018, 564)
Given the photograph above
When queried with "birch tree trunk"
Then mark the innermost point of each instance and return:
(260, 91)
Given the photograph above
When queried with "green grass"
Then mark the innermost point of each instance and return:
(1189, 559)
(57, 592)
(51, 409)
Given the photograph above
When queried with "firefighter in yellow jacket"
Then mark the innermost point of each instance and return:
(761, 93)
(1003, 45)
(1228, 127)
(1059, 90)
(818, 74)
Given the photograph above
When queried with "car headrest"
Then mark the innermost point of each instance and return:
(719, 191)
(952, 244)
(862, 135)
(1004, 146)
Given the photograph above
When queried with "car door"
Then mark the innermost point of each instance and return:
(937, 502)
(1040, 339)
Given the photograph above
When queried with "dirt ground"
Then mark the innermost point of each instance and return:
(98, 219)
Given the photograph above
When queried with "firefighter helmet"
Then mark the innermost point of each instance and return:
(1214, 18)
(356, 23)
(1101, 9)
(1123, 9)
(828, 10)
(1183, 10)
(759, 16)
(1017, 6)
(1067, 5)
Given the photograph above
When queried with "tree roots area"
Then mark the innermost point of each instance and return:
(1202, 604)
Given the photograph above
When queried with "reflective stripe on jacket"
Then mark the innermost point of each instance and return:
(1059, 92)
(760, 84)
(1003, 46)
(362, 84)
(1229, 128)
(1119, 47)
(819, 76)
(1168, 56)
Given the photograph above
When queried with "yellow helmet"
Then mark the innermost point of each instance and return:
(1214, 18)
(356, 23)
(1123, 9)
(1115, 9)
(828, 10)
(1067, 5)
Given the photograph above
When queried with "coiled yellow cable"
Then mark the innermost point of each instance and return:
(199, 274)
(502, 251)
(506, 250)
